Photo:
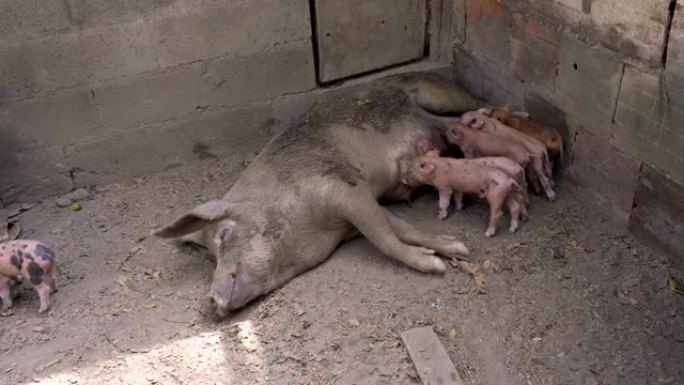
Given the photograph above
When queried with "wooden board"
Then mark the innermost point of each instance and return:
(431, 360)
(357, 36)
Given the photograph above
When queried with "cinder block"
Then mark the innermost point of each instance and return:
(607, 171)
(276, 72)
(92, 55)
(33, 174)
(67, 60)
(658, 214)
(534, 52)
(467, 70)
(459, 20)
(501, 88)
(228, 81)
(23, 19)
(52, 120)
(487, 31)
(588, 82)
(675, 47)
(633, 28)
(153, 148)
(150, 149)
(241, 29)
(649, 125)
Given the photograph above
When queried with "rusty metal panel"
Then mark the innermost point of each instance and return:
(356, 36)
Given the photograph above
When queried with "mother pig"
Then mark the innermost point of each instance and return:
(318, 182)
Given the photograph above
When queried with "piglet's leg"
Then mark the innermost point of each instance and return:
(495, 214)
(538, 168)
(444, 200)
(514, 208)
(443, 244)
(458, 199)
(5, 293)
(43, 289)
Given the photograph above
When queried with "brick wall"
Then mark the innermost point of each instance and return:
(602, 72)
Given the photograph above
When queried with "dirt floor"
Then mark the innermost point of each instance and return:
(567, 301)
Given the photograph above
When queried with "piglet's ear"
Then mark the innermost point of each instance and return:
(455, 132)
(427, 168)
(485, 111)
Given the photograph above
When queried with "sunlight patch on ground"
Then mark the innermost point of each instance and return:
(206, 358)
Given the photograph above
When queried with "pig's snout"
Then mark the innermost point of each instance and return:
(229, 291)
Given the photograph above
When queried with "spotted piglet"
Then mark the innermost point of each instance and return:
(21, 259)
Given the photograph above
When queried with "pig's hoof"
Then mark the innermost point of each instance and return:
(442, 216)
(438, 266)
(449, 246)
(513, 228)
(551, 196)
(490, 233)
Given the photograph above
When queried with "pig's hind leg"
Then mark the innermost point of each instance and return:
(43, 289)
(5, 292)
(538, 168)
(358, 206)
(514, 208)
(495, 213)
(446, 245)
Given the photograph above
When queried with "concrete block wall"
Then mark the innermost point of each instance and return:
(93, 91)
(609, 74)
(96, 91)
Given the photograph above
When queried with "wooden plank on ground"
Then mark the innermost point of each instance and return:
(431, 360)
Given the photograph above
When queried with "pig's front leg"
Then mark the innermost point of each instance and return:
(446, 245)
(444, 200)
(358, 206)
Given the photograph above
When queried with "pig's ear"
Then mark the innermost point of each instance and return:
(426, 168)
(223, 233)
(196, 219)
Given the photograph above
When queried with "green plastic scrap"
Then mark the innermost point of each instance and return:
(75, 206)
(363, 101)
(674, 286)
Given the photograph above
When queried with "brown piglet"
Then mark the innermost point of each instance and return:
(551, 138)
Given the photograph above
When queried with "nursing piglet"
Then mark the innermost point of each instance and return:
(459, 176)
